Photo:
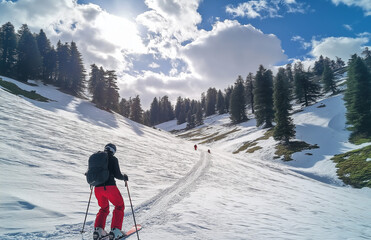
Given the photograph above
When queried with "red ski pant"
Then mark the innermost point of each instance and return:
(105, 195)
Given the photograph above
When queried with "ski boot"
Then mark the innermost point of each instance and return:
(99, 233)
(116, 234)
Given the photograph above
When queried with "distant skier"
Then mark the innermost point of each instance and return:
(108, 192)
(208, 150)
(195, 146)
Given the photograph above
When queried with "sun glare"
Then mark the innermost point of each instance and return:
(121, 32)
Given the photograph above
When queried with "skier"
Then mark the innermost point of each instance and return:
(108, 192)
(195, 146)
(208, 150)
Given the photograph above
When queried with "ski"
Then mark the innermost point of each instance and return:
(132, 231)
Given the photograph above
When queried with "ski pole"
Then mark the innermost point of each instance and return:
(132, 210)
(87, 209)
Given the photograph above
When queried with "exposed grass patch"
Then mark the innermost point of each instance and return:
(219, 137)
(354, 167)
(252, 144)
(287, 150)
(245, 146)
(206, 137)
(359, 138)
(266, 135)
(253, 149)
(14, 89)
(190, 134)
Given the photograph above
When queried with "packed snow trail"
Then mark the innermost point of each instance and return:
(154, 211)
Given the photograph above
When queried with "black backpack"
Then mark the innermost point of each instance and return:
(98, 172)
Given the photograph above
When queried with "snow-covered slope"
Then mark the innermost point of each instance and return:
(322, 124)
(178, 193)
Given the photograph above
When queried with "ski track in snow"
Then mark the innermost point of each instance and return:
(153, 211)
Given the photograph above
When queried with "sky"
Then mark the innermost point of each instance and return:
(183, 47)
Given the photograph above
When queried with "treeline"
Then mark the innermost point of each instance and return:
(357, 96)
(269, 97)
(25, 55)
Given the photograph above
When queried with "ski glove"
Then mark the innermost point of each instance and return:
(126, 178)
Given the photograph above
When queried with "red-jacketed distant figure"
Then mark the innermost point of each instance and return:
(195, 146)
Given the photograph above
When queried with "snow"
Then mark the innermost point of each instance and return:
(177, 192)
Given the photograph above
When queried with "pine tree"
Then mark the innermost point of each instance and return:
(29, 59)
(319, 66)
(154, 113)
(178, 107)
(220, 103)
(227, 97)
(187, 105)
(250, 91)
(97, 86)
(367, 57)
(191, 120)
(306, 90)
(8, 50)
(290, 79)
(124, 107)
(63, 59)
(136, 111)
(166, 109)
(43, 43)
(339, 63)
(238, 107)
(112, 94)
(147, 118)
(50, 66)
(77, 76)
(328, 79)
(182, 116)
(263, 97)
(210, 101)
(194, 106)
(199, 114)
(299, 78)
(203, 102)
(284, 129)
(357, 96)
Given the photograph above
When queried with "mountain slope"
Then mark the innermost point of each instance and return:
(322, 125)
(178, 193)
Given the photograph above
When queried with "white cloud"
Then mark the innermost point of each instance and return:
(230, 49)
(214, 59)
(364, 4)
(265, 8)
(342, 47)
(100, 36)
(169, 23)
(304, 44)
(364, 34)
(253, 9)
(195, 59)
(348, 27)
(154, 65)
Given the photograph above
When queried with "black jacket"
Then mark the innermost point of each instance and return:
(114, 170)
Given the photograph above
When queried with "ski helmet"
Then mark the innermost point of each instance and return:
(110, 148)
